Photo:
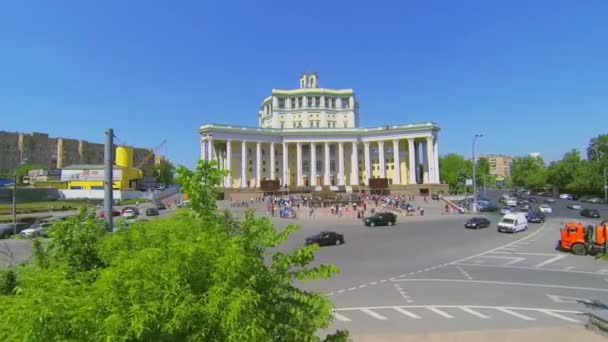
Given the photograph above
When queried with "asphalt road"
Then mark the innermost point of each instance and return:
(430, 274)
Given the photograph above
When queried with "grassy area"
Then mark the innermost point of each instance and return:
(36, 207)
(131, 201)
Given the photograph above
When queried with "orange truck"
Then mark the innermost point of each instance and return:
(581, 240)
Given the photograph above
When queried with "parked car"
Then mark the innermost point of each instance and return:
(6, 230)
(513, 223)
(160, 205)
(535, 217)
(566, 196)
(435, 197)
(549, 200)
(130, 212)
(532, 199)
(38, 229)
(151, 212)
(325, 238)
(380, 219)
(505, 210)
(477, 222)
(488, 208)
(575, 206)
(592, 213)
(183, 204)
(545, 209)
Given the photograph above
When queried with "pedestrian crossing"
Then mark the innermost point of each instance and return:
(451, 312)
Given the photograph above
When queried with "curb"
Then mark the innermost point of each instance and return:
(598, 321)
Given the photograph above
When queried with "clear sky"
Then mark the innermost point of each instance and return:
(531, 75)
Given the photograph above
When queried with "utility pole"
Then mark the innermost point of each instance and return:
(474, 173)
(108, 182)
(15, 202)
(605, 187)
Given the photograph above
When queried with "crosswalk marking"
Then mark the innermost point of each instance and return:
(440, 313)
(556, 315)
(518, 315)
(407, 313)
(341, 317)
(374, 314)
(474, 313)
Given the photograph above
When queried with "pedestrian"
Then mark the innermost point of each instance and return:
(421, 211)
(312, 211)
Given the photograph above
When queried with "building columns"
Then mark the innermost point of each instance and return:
(313, 165)
(228, 166)
(326, 176)
(272, 162)
(243, 164)
(341, 163)
(285, 169)
(430, 160)
(396, 163)
(426, 163)
(258, 163)
(412, 160)
(368, 166)
(436, 161)
(300, 180)
(354, 161)
(381, 159)
(210, 149)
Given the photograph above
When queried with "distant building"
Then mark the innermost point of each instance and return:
(500, 164)
(56, 153)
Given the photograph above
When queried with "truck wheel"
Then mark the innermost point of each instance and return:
(579, 249)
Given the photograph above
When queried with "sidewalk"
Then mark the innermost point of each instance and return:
(557, 334)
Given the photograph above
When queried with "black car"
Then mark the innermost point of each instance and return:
(532, 199)
(151, 212)
(477, 222)
(488, 208)
(381, 219)
(435, 197)
(325, 238)
(160, 206)
(535, 217)
(590, 213)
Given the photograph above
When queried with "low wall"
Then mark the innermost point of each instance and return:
(99, 194)
(27, 195)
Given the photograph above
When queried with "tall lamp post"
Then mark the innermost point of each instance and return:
(605, 187)
(477, 136)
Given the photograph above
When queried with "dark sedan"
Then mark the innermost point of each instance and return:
(488, 208)
(592, 213)
(477, 222)
(381, 219)
(325, 239)
(535, 217)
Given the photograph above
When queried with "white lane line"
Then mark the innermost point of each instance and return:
(352, 288)
(552, 260)
(383, 281)
(362, 286)
(568, 268)
(440, 313)
(474, 313)
(518, 315)
(464, 273)
(407, 313)
(440, 280)
(374, 314)
(531, 268)
(341, 317)
(556, 315)
(501, 252)
(373, 283)
(514, 260)
(341, 291)
(481, 307)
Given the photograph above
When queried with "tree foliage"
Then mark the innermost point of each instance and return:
(454, 169)
(196, 276)
(529, 172)
(164, 172)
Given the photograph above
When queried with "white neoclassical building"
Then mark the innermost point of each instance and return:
(310, 137)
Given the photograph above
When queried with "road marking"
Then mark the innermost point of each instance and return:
(373, 283)
(514, 260)
(445, 280)
(572, 320)
(383, 281)
(352, 288)
(464, 273)
(341, 317)
(374, 314)
(567, 300)
(439, 312)
(362, 286)
(568, 268)
(518, 315)
(407, 313)
(474, 313)
(341, 291)
(552, 260)
(530, 268)
(602, 271)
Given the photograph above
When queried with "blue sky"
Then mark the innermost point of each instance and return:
(531, 75)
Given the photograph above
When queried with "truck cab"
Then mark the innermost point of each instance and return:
(580, 240)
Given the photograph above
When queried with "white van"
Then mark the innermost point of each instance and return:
(513, 223)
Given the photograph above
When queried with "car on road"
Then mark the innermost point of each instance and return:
(130, 212)
(535, 217)
(532, 199)
(549, 200)
(488, 208)
(38, 229)
(160, 206)
(591, 200)
(325, 238)
(6, 230)
(505, 210)
(477, 222)
(545, 209)
(513, 223)
(102, 214)
(152, 211)
(183, 204)
(592, 213)
(380, 219)
(574, 206)
(435, 197)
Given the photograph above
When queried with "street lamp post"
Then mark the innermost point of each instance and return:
(605, 187)
(474, 173)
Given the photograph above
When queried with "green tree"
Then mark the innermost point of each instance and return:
(562, 173)
(598, 149)
(454, 169)
(188, 277)
(164, 172)
(23, 170)
(529, 172)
